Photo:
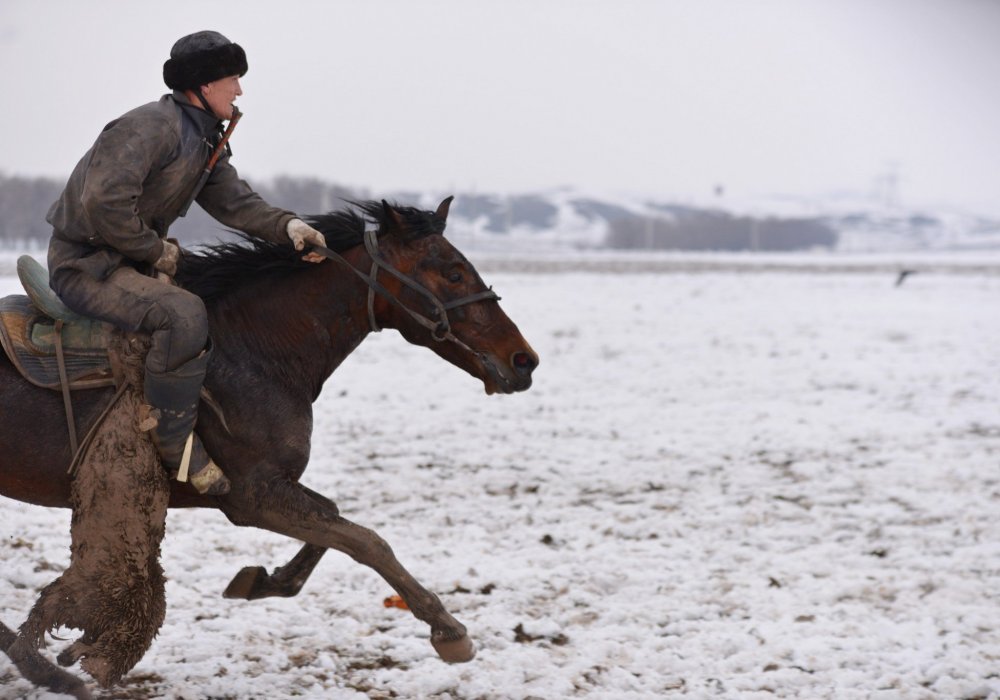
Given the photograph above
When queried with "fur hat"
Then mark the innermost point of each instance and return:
(200, 58)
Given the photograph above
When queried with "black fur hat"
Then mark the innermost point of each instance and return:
(200, 58)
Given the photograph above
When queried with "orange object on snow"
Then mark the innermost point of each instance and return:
(394, 601)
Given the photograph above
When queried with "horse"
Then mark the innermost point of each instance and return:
(280, 327)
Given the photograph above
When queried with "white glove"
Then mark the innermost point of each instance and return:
(301, 233)
(167, 262)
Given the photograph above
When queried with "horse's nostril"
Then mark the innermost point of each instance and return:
(523, 363)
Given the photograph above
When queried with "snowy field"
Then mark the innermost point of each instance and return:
(724, 484)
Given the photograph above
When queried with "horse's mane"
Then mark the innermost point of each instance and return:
(219, 268)
(347, 226)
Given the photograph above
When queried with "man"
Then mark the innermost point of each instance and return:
(110, 226)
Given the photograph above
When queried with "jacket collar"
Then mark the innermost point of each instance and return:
(207, 124)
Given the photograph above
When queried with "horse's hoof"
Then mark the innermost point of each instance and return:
(247, 583)
(455, 651)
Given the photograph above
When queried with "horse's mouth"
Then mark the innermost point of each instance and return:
(500, 379)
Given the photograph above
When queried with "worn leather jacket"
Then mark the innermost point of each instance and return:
(135, 180)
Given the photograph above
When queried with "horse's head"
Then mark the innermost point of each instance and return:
(435, 298)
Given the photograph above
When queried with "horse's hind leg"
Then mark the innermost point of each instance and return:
(290, 509)
(7, 637)
(253, 582)
(36, 668)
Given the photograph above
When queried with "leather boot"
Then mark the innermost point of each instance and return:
(174, 398)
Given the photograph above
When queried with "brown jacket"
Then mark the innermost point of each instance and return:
(131, 185)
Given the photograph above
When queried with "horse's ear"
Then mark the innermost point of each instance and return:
(392, 215)
(442, 210)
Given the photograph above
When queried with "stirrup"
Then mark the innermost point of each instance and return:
(209, 480)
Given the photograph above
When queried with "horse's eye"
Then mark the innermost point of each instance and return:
(455, 277)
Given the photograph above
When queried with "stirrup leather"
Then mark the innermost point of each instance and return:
(182, 473)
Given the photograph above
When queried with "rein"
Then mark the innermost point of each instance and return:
(438, 323)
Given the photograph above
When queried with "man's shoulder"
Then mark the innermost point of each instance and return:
(163, 115)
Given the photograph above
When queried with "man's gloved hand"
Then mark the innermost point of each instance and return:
(302, 233)
(167, 262)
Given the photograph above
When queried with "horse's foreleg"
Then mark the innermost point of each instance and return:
(253, 582)
(290, 509)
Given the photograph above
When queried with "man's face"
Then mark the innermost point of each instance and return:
(220, 95)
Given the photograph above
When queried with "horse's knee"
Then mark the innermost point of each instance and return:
(363, 545)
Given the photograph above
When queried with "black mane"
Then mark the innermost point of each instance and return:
(220, 268)
(347, 226)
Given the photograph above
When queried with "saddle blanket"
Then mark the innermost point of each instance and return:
(29, 339)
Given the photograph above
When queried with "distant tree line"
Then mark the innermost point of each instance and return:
(23, 205)
(710, 230)
(25, 201)
(299, 194)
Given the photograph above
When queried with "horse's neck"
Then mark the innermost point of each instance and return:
(291, 330)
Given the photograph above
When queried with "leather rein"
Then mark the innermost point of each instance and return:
(437, 323)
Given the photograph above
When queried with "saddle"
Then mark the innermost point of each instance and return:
(54, 347)
(36, 329)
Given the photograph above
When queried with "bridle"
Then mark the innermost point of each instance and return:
(437, 323)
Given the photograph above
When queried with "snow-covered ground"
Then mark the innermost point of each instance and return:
(722, 484)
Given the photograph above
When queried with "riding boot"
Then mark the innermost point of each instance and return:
(173, 397)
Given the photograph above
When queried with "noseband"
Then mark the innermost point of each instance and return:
(437, 323)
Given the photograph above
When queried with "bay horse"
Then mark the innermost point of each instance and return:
(280, 327)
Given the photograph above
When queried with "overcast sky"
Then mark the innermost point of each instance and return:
(664, 97)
